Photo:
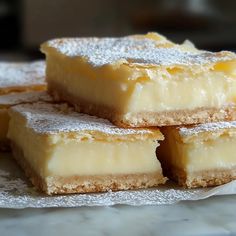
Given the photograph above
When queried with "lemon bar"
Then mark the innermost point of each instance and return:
(63, 151)
(142, 80)
(12, 99)
(22, 77)
(199, 155)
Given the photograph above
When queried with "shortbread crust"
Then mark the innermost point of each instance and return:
(22, 77)
(199, 155)
(55, 138)
(140, 81)
(199, 179)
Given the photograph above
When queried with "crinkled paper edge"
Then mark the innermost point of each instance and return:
(16, 192)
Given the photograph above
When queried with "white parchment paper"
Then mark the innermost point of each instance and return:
(17, 192)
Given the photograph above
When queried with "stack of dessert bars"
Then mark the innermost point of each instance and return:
(124, 109)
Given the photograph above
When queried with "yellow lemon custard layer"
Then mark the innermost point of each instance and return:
(63, 151)
(9, 100)
(199, 155)
(22, 77)
(142, 80)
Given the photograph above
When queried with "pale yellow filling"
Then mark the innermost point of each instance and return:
(215, 154)
(163, 94)
(100, 158)
(136, 89)
(4, 120)
(212, 154)
(69, 157)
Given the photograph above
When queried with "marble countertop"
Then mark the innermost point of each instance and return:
(213, 216)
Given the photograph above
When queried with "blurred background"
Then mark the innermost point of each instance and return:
(25, 24)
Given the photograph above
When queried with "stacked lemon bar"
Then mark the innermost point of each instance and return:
(67, 152)
(138, 83)
(19, 83)
(200, 155)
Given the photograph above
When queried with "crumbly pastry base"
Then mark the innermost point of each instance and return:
(144, 119)
(201, 178)
(86, 184)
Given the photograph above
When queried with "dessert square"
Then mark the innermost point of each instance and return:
(22, 77)
(199, 155)
(142, 80)
(63, 151)
(12, 99)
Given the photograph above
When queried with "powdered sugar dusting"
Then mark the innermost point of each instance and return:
(54, 118)
(208, 127)
(22, 74)
(27, 97)
(102, 51)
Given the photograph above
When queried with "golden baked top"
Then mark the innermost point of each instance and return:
(204, 131)
(21, 74)
(25, 97)
(207, 127)
(142, 50)
(55, 119)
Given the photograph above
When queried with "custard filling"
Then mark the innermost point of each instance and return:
(61, 155)
(199, 155)
(140, 89)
